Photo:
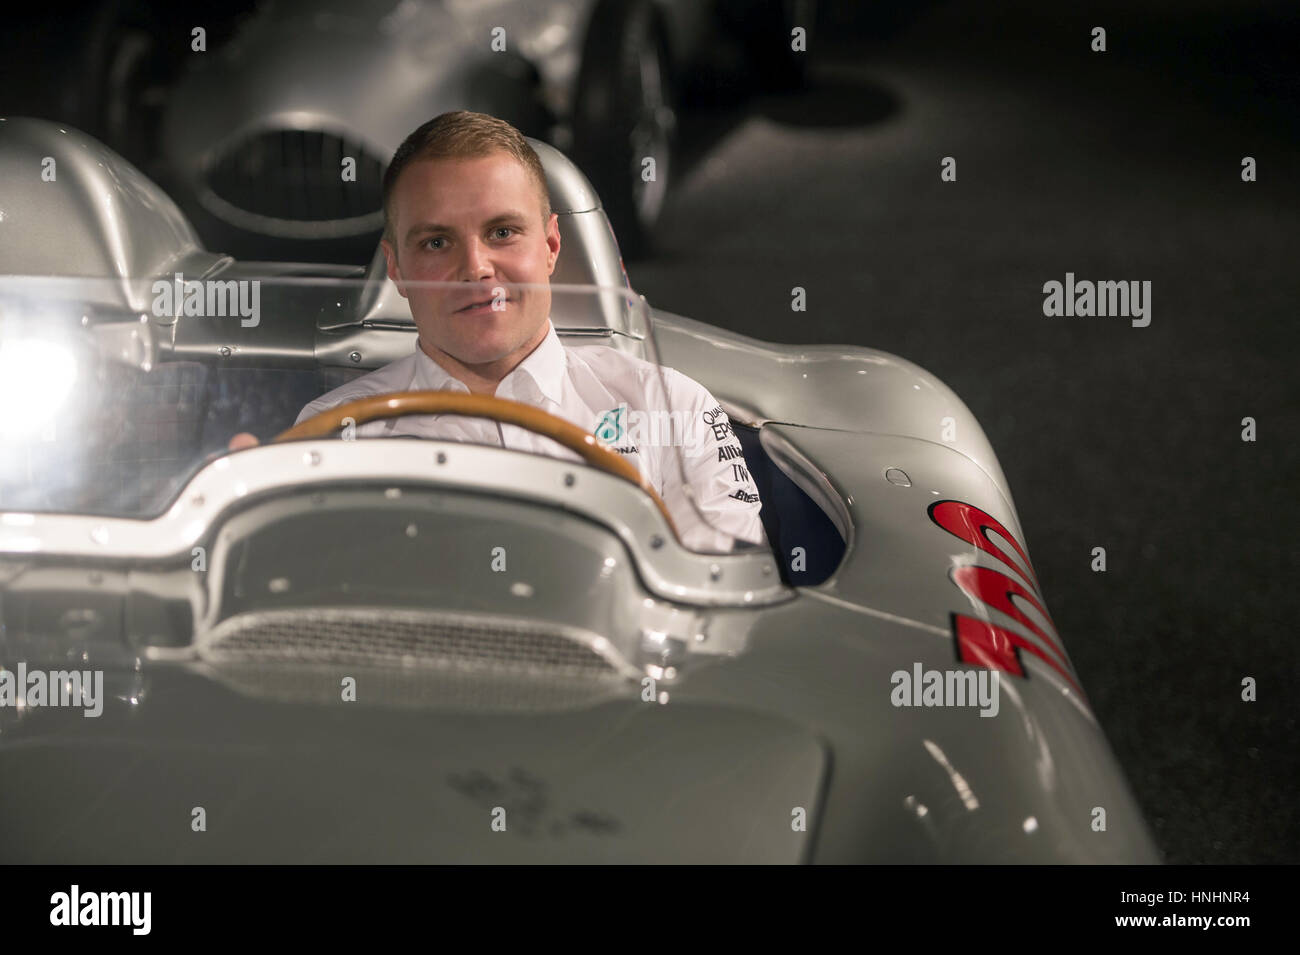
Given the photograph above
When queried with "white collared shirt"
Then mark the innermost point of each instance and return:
(612, 394)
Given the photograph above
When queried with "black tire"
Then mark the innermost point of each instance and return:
(624, 112)
(131, 53)
(508, 87)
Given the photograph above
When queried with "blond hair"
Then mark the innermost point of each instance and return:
(463, 135)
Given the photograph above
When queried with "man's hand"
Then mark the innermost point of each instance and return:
(241, 441)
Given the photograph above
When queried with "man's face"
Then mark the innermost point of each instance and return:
(473, 221)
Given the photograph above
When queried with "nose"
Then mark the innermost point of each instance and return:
(477, 265)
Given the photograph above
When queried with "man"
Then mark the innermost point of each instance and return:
(465, 201)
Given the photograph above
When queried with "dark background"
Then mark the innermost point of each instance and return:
(1118, 165)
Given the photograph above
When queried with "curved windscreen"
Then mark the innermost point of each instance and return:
(114, 395)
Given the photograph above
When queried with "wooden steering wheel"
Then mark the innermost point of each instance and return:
(402, 403)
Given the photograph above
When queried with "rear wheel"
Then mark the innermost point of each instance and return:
(624, 118)
(130, 55)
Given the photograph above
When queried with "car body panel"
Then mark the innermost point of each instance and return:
(655, 783)
(73, 207)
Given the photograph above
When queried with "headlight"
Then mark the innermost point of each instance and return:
(36, 378)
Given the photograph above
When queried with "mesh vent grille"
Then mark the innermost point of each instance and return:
(296, 175)
(387, 638)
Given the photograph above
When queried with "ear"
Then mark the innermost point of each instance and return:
(394, 273)
(552, 243)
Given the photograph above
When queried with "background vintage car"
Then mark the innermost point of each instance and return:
(770, 734)
(249, 136)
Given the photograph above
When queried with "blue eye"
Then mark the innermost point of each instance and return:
(503, 228)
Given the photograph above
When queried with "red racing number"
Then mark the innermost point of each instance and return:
(981, 642)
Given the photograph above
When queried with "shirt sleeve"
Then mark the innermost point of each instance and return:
(719, 502)
(312, 408)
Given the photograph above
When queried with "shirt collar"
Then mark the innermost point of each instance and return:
(544, 365)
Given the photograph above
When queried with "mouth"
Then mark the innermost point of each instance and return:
(486, 305)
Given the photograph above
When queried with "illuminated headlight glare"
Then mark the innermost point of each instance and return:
(36, 378)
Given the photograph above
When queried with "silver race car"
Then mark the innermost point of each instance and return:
(393, 649)
(273, 128)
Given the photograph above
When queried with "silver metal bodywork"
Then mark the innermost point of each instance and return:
(71, 203)
(366, 76)
(769, 703)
